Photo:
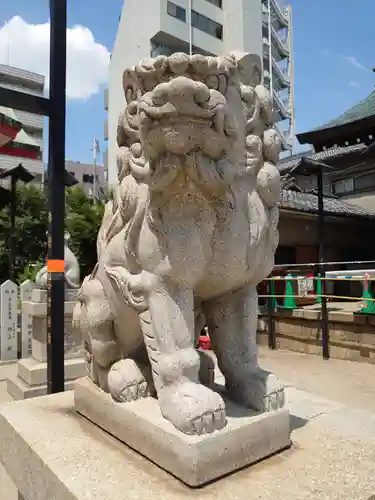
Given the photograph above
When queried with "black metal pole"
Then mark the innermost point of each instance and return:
(56, 198)
(13, 206)
(321, 233)
(271, 317)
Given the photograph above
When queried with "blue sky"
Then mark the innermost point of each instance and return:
(333, 44)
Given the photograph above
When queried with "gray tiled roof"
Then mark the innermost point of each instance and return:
(359, 111)
(326, 154)
(308, 202)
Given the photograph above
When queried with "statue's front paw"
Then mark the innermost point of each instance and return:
(192, 408)
(128, 382)
(260, 390)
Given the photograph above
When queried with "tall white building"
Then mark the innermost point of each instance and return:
(30, 139)
(148, 28)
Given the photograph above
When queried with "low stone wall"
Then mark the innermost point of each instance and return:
(352, 337)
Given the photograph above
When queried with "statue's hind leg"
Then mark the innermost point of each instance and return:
(109, 364)
(232, 325)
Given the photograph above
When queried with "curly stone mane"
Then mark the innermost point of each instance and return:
(228, 152)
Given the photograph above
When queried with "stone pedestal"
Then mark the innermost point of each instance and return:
(247, 438)
(31, 378)
(56, 453)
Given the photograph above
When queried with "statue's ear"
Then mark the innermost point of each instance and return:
(249, 67)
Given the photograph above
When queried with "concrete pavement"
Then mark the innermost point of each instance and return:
(332, 405)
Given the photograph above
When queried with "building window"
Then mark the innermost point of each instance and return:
(344, 186)
(207, 25)
(158, 49)
(218, 3)
(87, 178)
(176, 11)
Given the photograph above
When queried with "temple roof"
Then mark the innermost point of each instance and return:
(295, 198)
(356, 125)
(362, 109)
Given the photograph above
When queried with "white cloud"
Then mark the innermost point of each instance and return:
(354, 62)
(27, 46)
(326, 52)
(353, 83)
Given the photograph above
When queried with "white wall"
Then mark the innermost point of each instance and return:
(132, 45)
(243, 26)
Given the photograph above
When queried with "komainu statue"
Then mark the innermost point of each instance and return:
(190, 231)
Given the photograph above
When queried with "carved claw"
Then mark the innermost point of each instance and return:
(260, 390)
(127, 382)
(192, 408)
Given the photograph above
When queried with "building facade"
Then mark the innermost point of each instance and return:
(85, 174)
(209, 27)
(31, 136)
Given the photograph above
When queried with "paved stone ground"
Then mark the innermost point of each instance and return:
(332, 404)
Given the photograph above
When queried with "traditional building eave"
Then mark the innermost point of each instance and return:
(352, 127)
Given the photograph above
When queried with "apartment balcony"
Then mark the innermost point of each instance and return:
(106, 91)
(22, 76)
(36, 167)
(280, 45)
(22, 88)
(30, 120)
(280, 77)
(105, 160)
(279, 16)
(281, 108)
(106, 130)
(285, 138)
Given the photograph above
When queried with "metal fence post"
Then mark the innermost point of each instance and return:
(271, 317)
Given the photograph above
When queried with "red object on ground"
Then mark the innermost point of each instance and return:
(205, 342)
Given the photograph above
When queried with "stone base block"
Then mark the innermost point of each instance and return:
(31, 378)
(33, 372)
(19, 390)
(247, 438)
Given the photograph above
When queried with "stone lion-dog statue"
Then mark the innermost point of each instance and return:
(189, 233)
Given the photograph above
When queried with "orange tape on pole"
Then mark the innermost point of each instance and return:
(55, 266)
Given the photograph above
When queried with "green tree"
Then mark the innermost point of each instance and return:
(83, 222)
(30, 229)
(83, 219)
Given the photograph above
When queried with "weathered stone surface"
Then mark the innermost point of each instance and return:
(39, 309)
(19, 390)
(247, 437)
(57, 454)
(33, 372)
(196, 172)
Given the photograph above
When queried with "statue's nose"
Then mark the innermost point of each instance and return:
(181, 88)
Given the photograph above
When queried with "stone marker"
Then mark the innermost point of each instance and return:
(8, 321)
(31, 378)
(26, 289)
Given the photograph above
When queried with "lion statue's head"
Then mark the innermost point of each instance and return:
(196, 122)
(182, 105)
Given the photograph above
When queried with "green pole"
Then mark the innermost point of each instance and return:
(273, 298)
(367, 297)
(289, 302)
(318, 290)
